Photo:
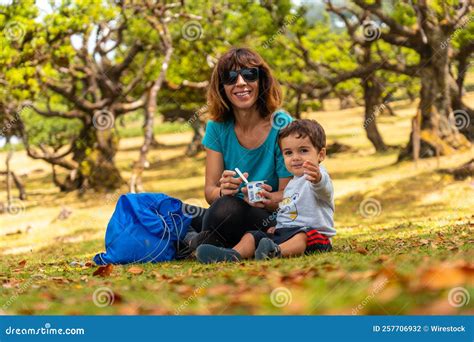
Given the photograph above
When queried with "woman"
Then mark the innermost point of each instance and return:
(243, 131)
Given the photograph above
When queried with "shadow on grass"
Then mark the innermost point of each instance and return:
(367, 172)
(397, 201)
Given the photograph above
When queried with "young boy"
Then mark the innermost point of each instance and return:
(305, 215)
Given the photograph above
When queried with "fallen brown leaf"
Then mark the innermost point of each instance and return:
(103, 271)
(220, 290)
(41, 306)
(298, 276)
(60, 280)
(185, 290)
(135, 270)
(129, 310)
(445, 275)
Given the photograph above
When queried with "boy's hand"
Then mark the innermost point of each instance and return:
(312, 172)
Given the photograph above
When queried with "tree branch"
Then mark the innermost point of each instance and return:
(54, 113)
(394, 26)
(56, 159)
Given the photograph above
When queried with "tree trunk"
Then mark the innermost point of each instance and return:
(463, 64)
(18, 183)
(10, 175)
(373, 107)
(195, 146)
(136, 184)
(439, 134)
(298, 105)
(150, 109)
(8, 179)
(387, 110)
(463, 115)
(95, 152)
(461, 172)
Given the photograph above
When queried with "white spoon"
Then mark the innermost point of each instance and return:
(241, 175)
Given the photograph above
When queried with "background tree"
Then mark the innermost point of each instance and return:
(16, 30)
(427, 28)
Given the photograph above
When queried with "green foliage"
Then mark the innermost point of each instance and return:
(464, 35)
(44, 45)
(53, 132)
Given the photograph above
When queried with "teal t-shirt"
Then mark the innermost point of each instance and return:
(262, 163)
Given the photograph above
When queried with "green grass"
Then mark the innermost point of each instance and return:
(402, 258)
(336, 282)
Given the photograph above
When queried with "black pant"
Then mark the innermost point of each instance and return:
(226, 221)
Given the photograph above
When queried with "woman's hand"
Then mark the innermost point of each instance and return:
(229, 184)
(265, 192)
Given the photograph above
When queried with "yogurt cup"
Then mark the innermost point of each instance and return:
(253, 191)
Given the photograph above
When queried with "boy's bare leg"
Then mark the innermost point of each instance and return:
(294, 246)
(246, 246)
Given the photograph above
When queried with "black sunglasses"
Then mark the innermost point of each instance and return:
(249, 74)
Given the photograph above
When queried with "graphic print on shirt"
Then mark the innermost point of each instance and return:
(288, 205)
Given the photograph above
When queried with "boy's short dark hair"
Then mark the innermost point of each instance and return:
(305, 128)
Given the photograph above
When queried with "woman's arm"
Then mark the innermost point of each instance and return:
(214, 169)
(219, 182)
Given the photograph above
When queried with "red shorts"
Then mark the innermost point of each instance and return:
(317, 242)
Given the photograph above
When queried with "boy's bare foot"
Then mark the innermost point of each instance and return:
(267, 249)
(208, 254)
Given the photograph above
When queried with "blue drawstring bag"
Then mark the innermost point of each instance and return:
(144, 227)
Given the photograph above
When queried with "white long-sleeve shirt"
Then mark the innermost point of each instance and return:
(308, 205)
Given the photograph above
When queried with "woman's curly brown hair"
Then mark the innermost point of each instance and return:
(269, 91)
